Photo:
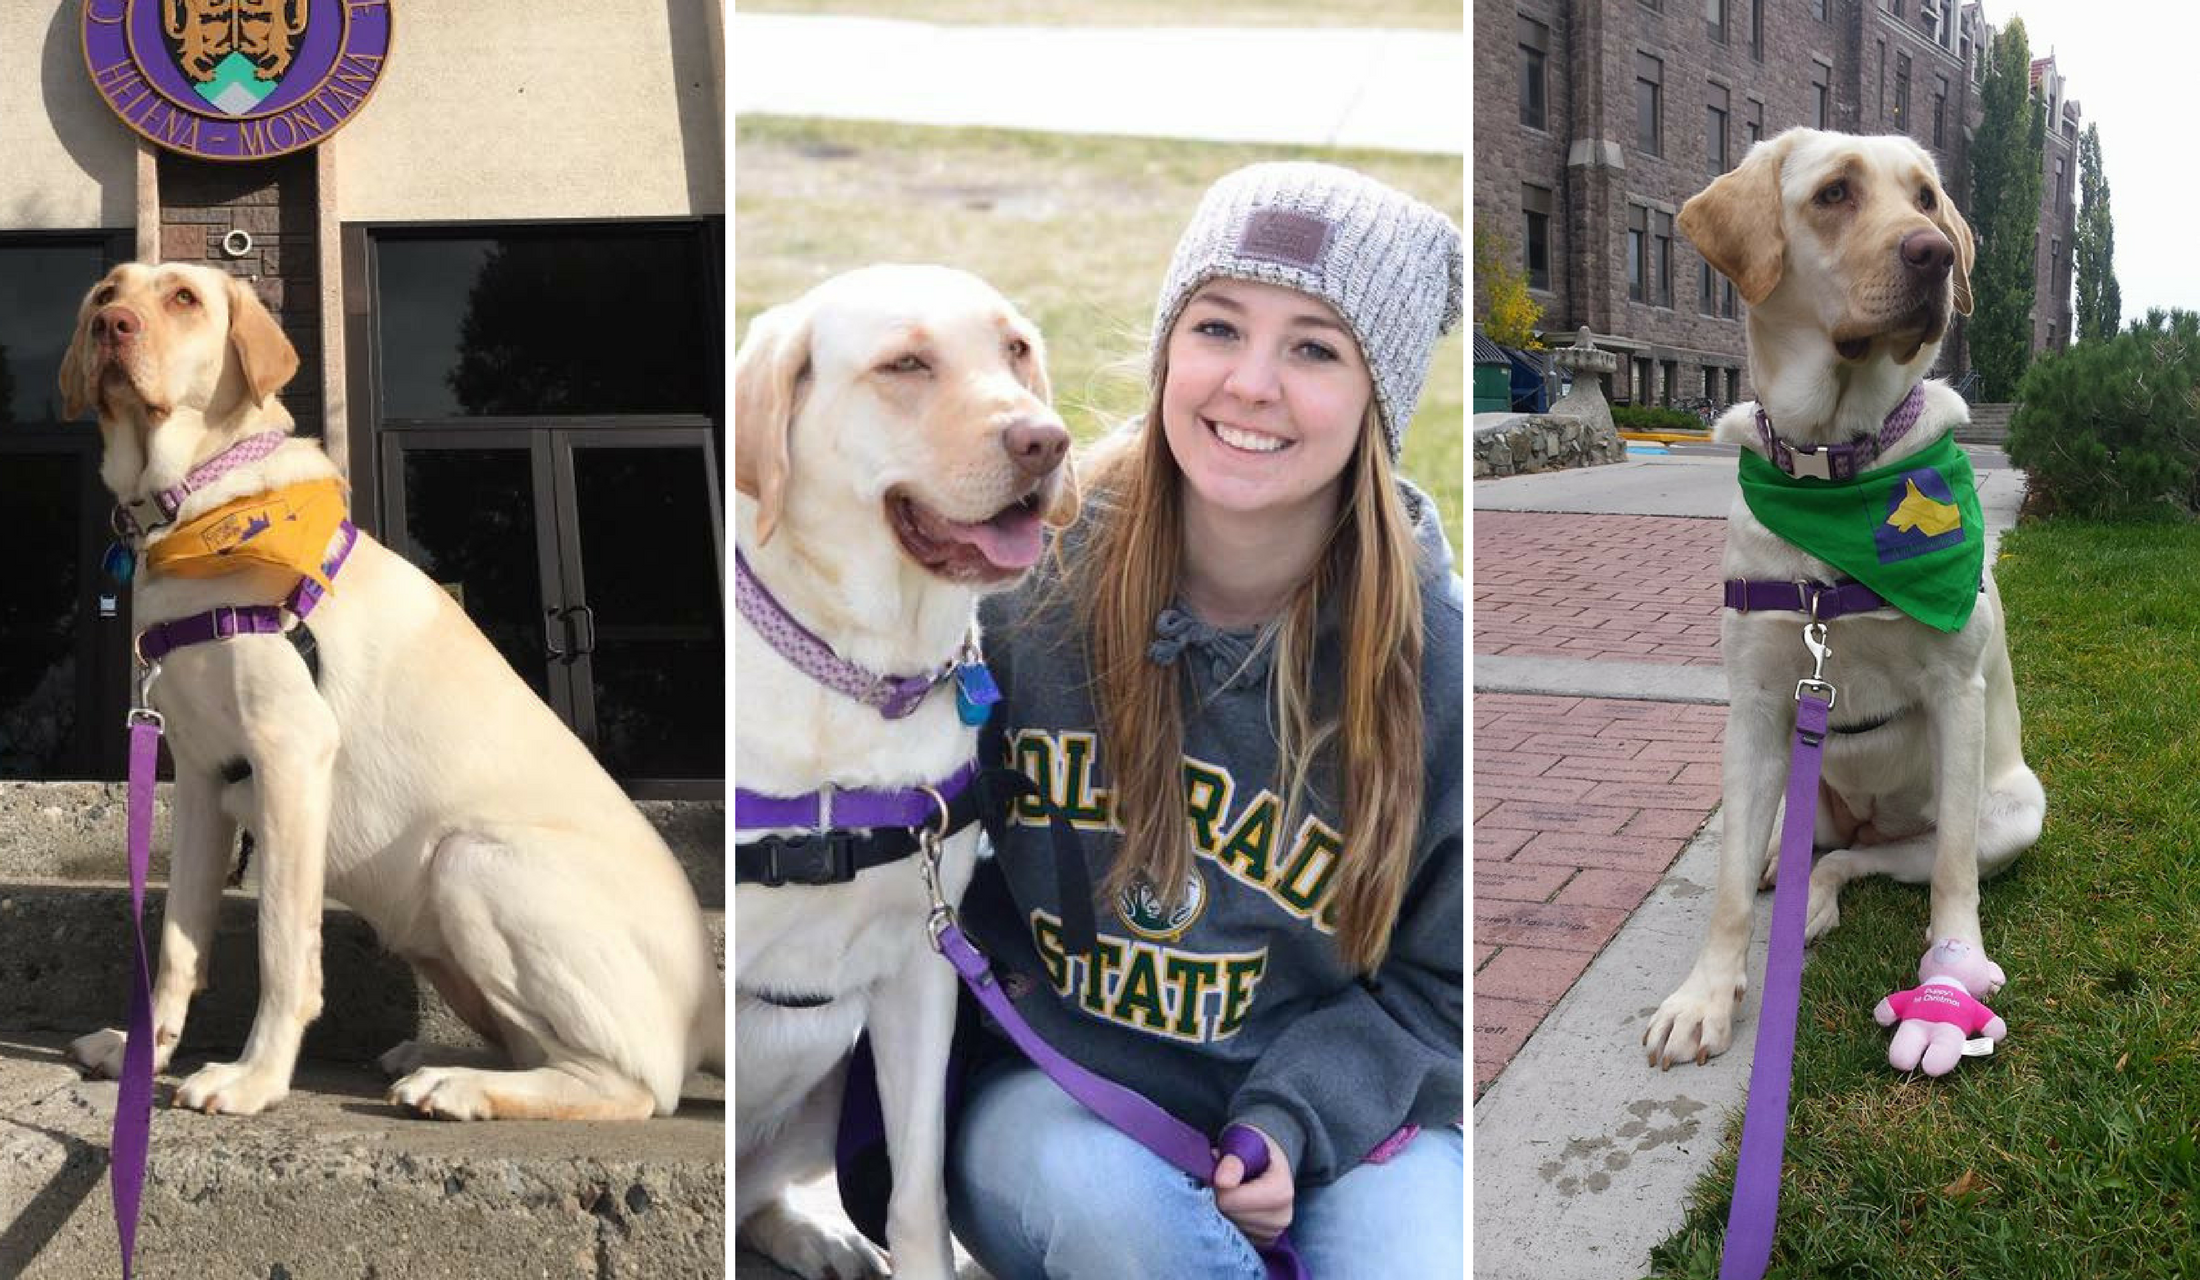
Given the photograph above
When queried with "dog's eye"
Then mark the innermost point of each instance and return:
(1018, 348)
(1925, 199)
(103, 295)
(185, 298)
(906, 364)
(1833, 193)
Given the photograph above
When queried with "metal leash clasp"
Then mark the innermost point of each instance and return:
(941, 917)
(1814, 639)
(141, 707)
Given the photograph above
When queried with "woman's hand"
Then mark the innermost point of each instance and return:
(1260, 1208)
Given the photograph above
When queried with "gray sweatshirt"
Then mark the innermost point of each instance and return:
(1236, 1007)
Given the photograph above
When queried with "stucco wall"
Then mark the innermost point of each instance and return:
(490, 110)
(66, 162)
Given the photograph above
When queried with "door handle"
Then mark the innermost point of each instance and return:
(550, 636)
(584, 641)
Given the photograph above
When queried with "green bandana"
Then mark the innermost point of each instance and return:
(1910, 531)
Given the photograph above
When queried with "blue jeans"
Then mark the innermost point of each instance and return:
(1041, 1189)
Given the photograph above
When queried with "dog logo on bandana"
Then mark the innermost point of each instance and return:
(1140, 908)
(1922, 517)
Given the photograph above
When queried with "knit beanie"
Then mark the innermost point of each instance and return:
(1390, 265)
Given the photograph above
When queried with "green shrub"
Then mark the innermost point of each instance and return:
(1629, 417)
(2111, 430)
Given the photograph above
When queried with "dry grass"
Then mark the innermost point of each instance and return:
(1076, 230)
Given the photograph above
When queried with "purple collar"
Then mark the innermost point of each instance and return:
(169, 501)
(849, 807)
(1840, 461)
(893, 696)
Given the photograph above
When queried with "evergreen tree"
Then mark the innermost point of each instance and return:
(2006, 161)
(2100, 302)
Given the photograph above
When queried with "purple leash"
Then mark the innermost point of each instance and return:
(1755, 1209)
(133, 1129)
(1148, 1125)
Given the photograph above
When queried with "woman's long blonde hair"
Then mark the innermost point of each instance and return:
(1130, 570)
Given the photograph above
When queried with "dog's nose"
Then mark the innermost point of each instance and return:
(1928, 253)
(1035, 445)
(118, 324)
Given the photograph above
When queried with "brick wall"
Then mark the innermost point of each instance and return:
(274, 202)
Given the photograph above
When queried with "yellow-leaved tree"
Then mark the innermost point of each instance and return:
(1507, 314)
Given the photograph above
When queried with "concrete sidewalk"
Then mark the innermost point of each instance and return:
(1584, 1156)
(1333, 87)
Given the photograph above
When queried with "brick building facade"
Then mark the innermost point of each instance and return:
(1613, 112)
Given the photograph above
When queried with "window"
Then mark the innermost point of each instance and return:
(1726, 299)
(1818, 9)
(1535, 44)
(1821, 103)
(1940, 113)
(1672, 381)
(1662, 262)
(1895, 7)
(1757, 29)
(1642, 380)
(1902, 92)
(1705, 287)
(2062, 184)
(1714, 130)
(1535, 206)
(1649, 90)
(1882, 79)
(1714, 19)
(1638, 253)
(1710, 383)
(1733, 385)
(1756, 125)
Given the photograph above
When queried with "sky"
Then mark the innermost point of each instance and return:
(2130, 67)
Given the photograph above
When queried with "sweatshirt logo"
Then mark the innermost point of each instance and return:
(1141, 911)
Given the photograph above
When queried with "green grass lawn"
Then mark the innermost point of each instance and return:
(2071, 1151)
(1443, 15)
(1075, 230)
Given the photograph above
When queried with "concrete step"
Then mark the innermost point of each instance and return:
(76, 831)
(65, 967)
(335, 1184)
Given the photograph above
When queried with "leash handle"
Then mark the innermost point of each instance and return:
(1756, 1205)
(133, 1127)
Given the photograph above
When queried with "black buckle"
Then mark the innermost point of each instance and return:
(813, 858)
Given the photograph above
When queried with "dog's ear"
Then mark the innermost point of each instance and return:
(1069, 496)
(768, 373)
(1737, 225)
(79, 366)
(263, 349)
(1950, 221)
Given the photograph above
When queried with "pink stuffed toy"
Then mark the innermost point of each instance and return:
(1942, 1010)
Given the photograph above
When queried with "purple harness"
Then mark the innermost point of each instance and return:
(134, 1097)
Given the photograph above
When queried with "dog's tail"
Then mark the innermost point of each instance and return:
(708, 1032)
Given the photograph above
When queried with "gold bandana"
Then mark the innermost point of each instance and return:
(289, 528)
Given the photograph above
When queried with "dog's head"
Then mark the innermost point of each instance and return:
(907, 404)
(1843, 245)
(151, 341)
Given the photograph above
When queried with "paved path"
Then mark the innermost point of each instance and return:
(1596, 763)
(1334, 87)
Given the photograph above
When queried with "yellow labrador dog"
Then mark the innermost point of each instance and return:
(417, 779)
(1852, 260)
(895, 456)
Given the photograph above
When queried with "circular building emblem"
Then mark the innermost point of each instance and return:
(236, 79)
(1140, 908)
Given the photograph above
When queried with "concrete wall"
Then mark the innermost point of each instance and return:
(489, 111)
(69, 163)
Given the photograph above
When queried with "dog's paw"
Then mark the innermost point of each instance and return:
(812, 1249)
(443, 1093)
(1696, 1023)
(231, 1088)
(100, 1052)
(1824, 909)
(402, 1060)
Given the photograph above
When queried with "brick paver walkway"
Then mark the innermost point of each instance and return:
(1626, 588)
(1581, 804)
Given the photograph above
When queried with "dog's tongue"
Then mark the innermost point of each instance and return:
(1009, 540)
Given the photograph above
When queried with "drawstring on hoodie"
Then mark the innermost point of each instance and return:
(1235, 658)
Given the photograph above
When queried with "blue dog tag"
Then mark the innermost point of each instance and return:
(975, 693)
(120, 563)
